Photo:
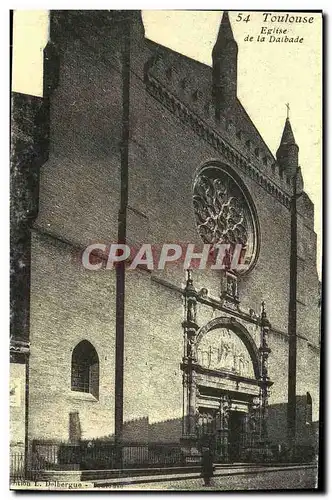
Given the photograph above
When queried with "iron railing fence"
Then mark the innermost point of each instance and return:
(17, 466)
(99, 455)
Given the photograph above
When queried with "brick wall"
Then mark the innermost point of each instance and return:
(69, 305)
(79, 200)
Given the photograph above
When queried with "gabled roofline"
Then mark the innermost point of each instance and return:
(172, 51)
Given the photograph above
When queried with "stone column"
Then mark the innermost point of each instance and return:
(225, 407)
(192, 403)
(264, 352)
(190, 327)
(219, 431)
(254, 426)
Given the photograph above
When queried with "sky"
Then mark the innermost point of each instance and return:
(270, 74)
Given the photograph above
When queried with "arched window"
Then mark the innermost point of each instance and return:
(308, 412)
(85, 369)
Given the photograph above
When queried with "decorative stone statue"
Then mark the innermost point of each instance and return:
(191, 311)
(191, 347)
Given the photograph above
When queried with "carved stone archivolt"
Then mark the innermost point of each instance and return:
(223, 214)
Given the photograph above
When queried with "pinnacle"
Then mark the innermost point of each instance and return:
(287, 135)
(225, 33)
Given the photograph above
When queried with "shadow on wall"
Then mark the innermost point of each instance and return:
(157, 444)
(167, 431)
(144, 445)
(306, 429)
(141, 431)
(170, 431)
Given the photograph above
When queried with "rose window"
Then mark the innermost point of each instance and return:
(223, 214)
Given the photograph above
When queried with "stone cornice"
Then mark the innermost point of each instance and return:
(203, 130)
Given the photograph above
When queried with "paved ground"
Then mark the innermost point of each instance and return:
(271, 480)
(229, 478)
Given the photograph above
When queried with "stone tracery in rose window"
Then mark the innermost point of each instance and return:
(222, 213)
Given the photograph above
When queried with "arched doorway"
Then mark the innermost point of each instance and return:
(227, 380)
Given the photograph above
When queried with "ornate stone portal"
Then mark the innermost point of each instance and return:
(226, 384)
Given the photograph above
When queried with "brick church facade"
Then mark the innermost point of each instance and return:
(134, 142)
